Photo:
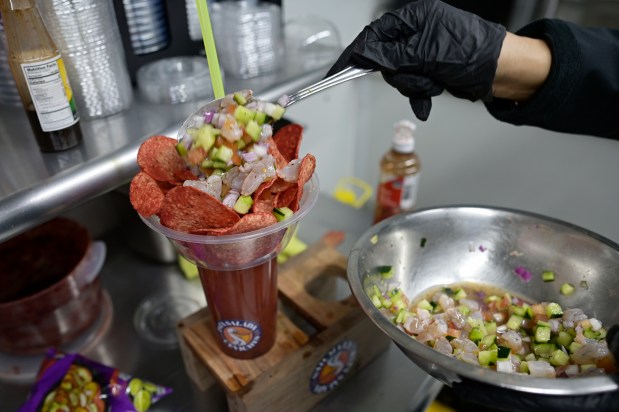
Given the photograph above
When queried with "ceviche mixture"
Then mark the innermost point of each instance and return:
(493, 329)
(228, 173)
(228, 149)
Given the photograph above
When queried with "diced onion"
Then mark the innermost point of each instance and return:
(283, 100)
(197, 121)
(261, 150)
(208, 116)
(250, 156)
(523, 273)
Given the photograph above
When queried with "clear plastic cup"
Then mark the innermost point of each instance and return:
(239, 278)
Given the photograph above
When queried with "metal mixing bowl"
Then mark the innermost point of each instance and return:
(446, 245)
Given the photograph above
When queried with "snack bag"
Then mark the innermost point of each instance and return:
(69, 382)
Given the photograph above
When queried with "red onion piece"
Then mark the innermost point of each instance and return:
(523, 273)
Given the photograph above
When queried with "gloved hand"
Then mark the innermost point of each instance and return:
(428, 46)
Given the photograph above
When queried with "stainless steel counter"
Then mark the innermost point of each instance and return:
(36, 186)
(390, 382)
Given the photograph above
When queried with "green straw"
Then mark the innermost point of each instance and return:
(209, 47)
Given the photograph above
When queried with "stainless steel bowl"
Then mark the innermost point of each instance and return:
(482, 244)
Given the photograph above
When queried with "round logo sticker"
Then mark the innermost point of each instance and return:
(239, 335)
(333, 367)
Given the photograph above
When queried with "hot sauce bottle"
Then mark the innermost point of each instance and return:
(399, 174)
(40, 76)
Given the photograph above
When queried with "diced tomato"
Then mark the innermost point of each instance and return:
(454, 332)
(196, 155)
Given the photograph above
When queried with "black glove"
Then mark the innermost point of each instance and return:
(428, 46)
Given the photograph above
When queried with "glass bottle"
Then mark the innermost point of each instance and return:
(40, 76)
(399, 174)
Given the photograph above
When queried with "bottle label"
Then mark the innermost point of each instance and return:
(51, 93)
(398, 192)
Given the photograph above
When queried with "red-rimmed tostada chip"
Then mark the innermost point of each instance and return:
(145, 195)
(187, 209)
(158, 157)
(288, 141)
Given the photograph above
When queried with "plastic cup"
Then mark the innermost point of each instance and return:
(239, 278)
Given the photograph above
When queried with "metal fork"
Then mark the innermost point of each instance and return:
(349, 73)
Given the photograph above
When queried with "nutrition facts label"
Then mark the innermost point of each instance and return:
(51, 93)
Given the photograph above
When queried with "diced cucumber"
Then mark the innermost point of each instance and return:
(254, 130)
(574, 346)
(240, 144)
(376, 301)
(465, 310)
(243, 115)
(487, 357)
(282, 213)
(553, 310)
(487, 341)
(206, 137)
(192, 131)
(396, 294)
(278, 112)
(528, 311)
(544, 350)
(524, 367)
(564, 339)
(559, 358)
(503, 352)
(181, 149)
(207, 163)
(239, 98)
(401, 316)
(260, 118)
(243, 204)
(459, 294)
(514, 322)
(218, 164)
(424, 304)
(567, 289)
(548, 276)
(490, 328)
(386, 272)
(476, 334)
(223, 154)
(517, 310)
(542, 334)
(530, 357)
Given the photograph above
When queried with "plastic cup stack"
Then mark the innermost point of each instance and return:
(147, 24)
(87, 34)
(248, 35)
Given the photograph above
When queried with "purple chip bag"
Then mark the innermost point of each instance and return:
(67, 381)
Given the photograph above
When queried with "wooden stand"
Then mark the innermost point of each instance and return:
(303, 366)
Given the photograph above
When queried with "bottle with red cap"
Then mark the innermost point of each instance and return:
(399, 174)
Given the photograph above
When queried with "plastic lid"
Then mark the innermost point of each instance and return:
(403, 139)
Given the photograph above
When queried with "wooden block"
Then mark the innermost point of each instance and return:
(302, 367)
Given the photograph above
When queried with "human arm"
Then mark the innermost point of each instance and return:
(581, 92)
(522, 68)
(427, 47)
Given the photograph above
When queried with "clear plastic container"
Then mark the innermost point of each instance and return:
(175, 80)
(239, 278)
(248, 36)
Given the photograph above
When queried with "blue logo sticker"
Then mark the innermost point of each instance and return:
(333, 367)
